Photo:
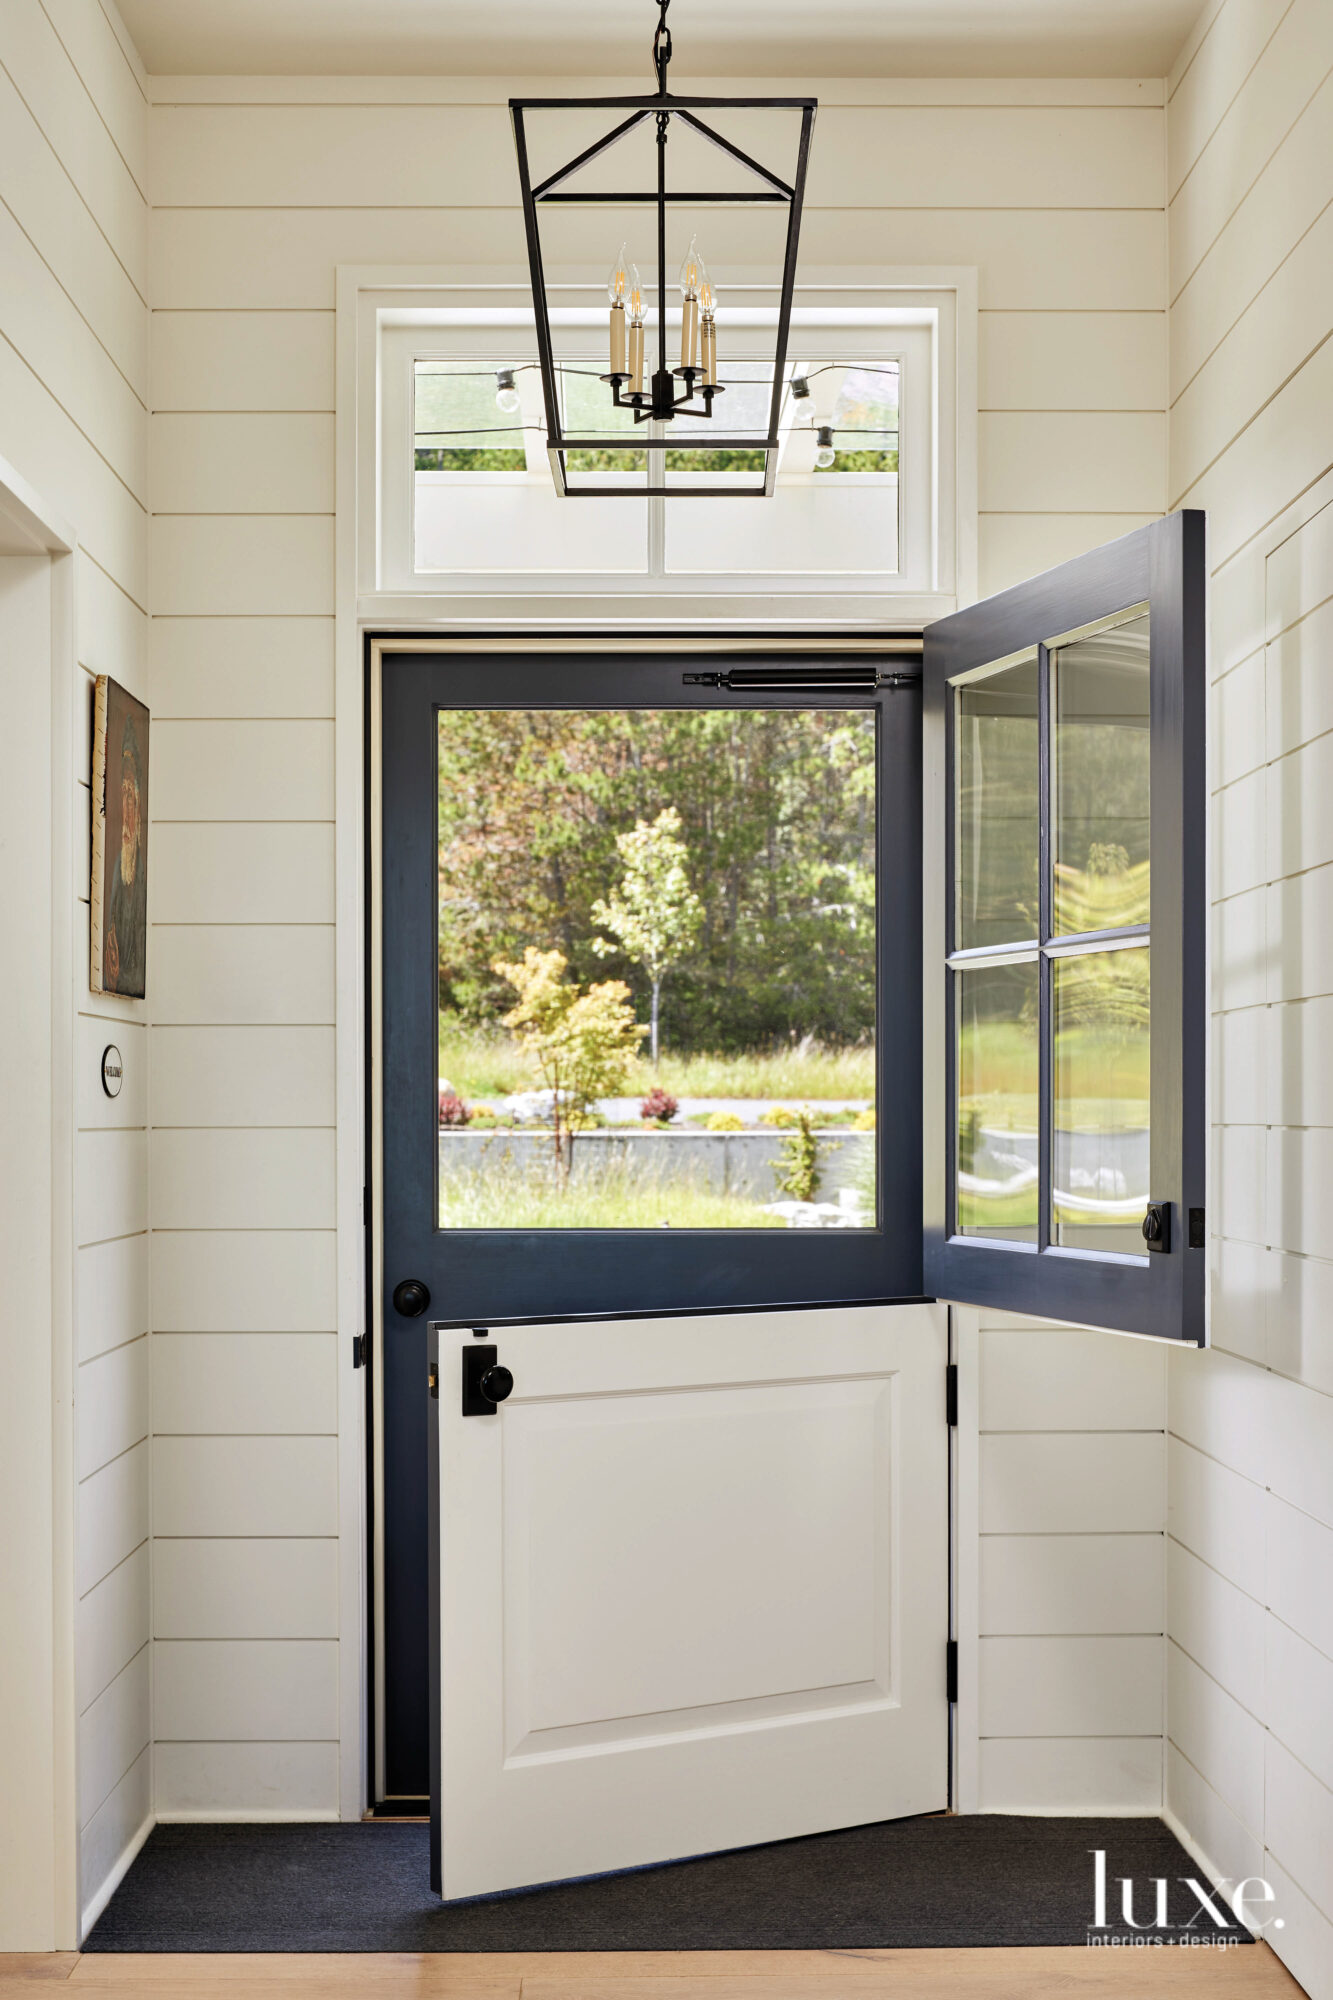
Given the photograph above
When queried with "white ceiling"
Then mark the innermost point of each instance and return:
(573, 38)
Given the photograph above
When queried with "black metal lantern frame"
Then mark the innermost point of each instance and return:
(673, 390)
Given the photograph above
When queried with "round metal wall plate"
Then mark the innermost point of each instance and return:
(113, 1070)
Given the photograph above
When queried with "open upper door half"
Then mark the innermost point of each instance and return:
(1064, 936)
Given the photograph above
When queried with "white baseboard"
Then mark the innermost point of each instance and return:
(115, 1875)
(1196, 1854)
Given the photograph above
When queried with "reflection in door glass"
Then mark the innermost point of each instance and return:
(656, 969)
(996, 809)
(997, 1137)
(1100, 1009)
(1101, 767)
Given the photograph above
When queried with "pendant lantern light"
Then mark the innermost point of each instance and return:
(642, 376)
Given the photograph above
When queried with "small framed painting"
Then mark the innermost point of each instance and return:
(120, 841)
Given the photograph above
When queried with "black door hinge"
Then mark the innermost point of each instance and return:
(951, 1395)
(358, 1350)
(951, 1670)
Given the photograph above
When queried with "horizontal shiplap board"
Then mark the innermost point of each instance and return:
(111, 1624)
(1070, 1379)
(1074, 461)
(246, 668)
(118, 1822)
(1240, 1062)
(438, 155)
(1298, 1165)
(1299, 1551)
(1027, 259)
(1013, 547)
(1240, 1164)
(241, 565)
(52, 215)
(1220, 1628)
(1298, 1824)
(1072, 361)
(94, 1110)
(1071, 1686)
(1239, 834)
(1298, 577)
(242, 361)
(255, 1178)
(1270, 219)
(1305, 1942)
(1218, 1515)
(1242, 1281)
(42, 73)
(108, 75)
(1080, 1483)
(1223, 1742)
(285, 1383)
(111, 1405)
(430, 87)
(249, 1589)
(246, 1780)
(1297, 703)
(1218, 1405)
(1101, 1774)
(273, 872)
(245, 1690)
(1300, 1435)
(1050, 1584)
(243, 1076)
(110, 1185)
(1224, 59)
(1232, 1849)
(1274, 336)
(1236, 722)
(1239, 949)
(112, 525)
(238, 463)
(1299, 954)
(112, 633)
(238, 770)
(243, 974)
(1299, 1689)
(241, 1486)
(112, 1516)
(110, 1294)
(1300, 824)
(112, 1733)
(59, 345)
(237, 1281)
(1284, 79)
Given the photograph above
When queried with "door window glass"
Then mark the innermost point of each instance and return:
(657, 968)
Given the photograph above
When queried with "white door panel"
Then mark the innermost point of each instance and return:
(692, 1589)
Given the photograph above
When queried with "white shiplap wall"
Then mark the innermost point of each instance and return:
(73, 420)
(1250, 1452)
(1061, 1611)
(260, 188)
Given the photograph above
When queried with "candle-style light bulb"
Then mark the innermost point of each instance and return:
(635, 332)
(617, 290)
(708, 332)
(692, 276)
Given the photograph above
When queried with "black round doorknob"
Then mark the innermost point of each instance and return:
(410, 1298)
(496, 1384)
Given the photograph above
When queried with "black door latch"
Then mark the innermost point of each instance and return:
(485, 1385)
(1157, 1226)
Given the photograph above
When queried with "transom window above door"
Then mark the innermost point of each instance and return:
(861, 524)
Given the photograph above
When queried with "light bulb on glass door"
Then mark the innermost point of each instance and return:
(824, 452)
(506, 395)
(617, 291)
(708, 333)
(692, 278)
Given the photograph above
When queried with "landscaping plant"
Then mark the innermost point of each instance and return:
(654, 913)
(583, 1044)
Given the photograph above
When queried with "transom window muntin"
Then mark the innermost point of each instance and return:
(1048, 953)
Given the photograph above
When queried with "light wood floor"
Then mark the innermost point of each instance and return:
(1249, 1972)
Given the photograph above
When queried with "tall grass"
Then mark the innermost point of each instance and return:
(504, 1194)
(482, 1064)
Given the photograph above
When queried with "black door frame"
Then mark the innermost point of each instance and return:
(904, 647)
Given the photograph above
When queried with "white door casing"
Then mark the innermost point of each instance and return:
(693, 1589)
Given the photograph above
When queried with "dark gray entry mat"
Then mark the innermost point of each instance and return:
(988, 1879)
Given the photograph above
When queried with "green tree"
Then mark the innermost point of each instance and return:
(584, 1044)
(655, 913)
